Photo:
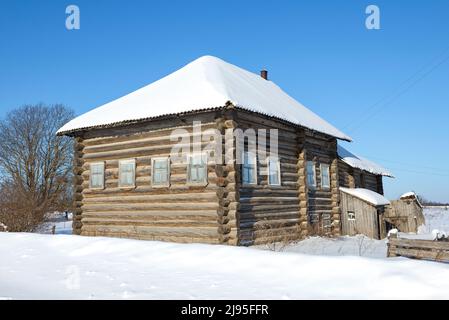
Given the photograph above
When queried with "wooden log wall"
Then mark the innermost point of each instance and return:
(323, 206)
(224, 210)
(180, 212)
(303, 191)
(351, 178)
(271, 213)
(229, 195)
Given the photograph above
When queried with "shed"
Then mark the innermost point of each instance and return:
(405, 214)
(362, 212)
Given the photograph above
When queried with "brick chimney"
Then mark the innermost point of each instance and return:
(264, 74)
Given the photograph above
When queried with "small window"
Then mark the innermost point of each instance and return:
(249, 168)
(97, 175)
(160, 172)
(127, 173)
(197, 169)
(311, 174)
(362, 180)
(274, 171)
(351, 215)
(325, 176)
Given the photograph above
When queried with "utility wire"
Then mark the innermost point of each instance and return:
(388, 99)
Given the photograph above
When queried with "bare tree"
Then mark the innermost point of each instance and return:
(35, 165)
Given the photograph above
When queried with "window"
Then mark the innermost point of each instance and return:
(362, 180)
(160, 172)
(127, 173)
(197, 169)
(351, 215)
(274, 171)
(97, 175)
(249, 168)
(325, 176)
(311, 174)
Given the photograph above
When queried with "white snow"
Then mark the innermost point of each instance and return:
(362, 163)
(372, 197)
(359, 245)
(207, 82)
(34, 266)
(408, 195)
(437, 218)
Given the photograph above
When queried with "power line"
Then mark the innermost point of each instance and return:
(408, 164)
(393, 97)
(422, 172)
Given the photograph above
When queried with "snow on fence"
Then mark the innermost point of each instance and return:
(435, 250)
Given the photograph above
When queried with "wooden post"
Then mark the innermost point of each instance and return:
(336, 214)
(53, 229)
(77, 185)
(391, 249)
(229, 183)
(303, 193)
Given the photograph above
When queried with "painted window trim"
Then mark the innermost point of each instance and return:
(165, 185)
(314, 186)
(270, 158)
(194, 183)
(255, 183)
(123, 161)
(90, 175)
(328, 176)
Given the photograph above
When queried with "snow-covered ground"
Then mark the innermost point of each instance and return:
(38, 266)
(58, 220)
(437, 218)
(46, 266)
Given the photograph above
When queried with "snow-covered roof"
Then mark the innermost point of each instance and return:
(369, 196)
(206, 83)
(408, 195)
(362, 163)
(411, 195)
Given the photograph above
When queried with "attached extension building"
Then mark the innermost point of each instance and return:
(127, 186)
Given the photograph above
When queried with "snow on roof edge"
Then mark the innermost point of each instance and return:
(369, 196)
(361, 163)
(127, 122)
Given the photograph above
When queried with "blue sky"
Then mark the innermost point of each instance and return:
(388, 88)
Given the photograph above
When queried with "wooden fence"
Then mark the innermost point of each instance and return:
(418, 249)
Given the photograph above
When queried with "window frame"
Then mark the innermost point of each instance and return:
(314, 186)
(278, 162)
(120, 163)
(349, 212)
(206, 176)
(161, 185)
(328, 168)
(103, 184)
(254, 156)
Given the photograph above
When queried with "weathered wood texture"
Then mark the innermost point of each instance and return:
(366, 217)
(355, 178)
(180, 212)
(224, 210)
(405, 215)
(418, 249)
(323, 209)
(271, 213)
